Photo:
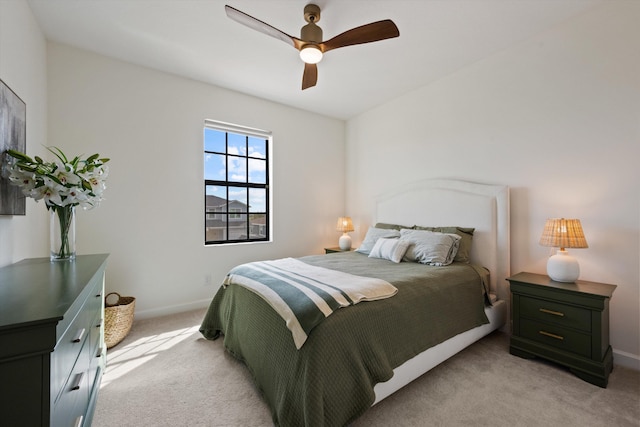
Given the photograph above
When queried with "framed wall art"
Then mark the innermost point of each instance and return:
(13, 135)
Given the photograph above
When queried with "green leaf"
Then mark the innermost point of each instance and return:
(54, 178)
(27, 167)
(58, 153)
(20, 156)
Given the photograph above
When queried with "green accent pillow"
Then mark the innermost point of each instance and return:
(466, 235)
(386, 226)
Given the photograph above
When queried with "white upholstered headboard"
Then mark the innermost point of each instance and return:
(447, 202)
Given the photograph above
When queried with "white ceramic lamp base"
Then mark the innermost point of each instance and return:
(562, 267)
(345, 242)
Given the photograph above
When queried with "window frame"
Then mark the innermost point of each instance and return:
(229, 214)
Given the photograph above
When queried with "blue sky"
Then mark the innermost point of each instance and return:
(237, 151)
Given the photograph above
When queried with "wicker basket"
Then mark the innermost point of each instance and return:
(118, 318)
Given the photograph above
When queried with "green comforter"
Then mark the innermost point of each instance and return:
(330, 380)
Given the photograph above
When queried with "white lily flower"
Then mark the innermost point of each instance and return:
(26, 180)
(60, 183)
(96, 179)
(74, 196)
(66, 175)
(50, 192)
(92, 202)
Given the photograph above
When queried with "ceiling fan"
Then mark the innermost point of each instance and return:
(310, 43)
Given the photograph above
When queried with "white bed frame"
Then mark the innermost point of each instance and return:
(446, 202)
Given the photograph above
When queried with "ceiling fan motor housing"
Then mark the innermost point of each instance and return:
(311, 32)
(312, 13)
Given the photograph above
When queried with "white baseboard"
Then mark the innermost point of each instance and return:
(173, 309)
(628, 360)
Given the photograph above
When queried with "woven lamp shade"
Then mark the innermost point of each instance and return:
(344, 224)
(563, 233)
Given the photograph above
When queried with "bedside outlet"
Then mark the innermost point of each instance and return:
(207, 279)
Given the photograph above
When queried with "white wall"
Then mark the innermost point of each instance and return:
(151, 125)
(23, 69)
(557, 118)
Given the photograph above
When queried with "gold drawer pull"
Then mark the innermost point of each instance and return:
(78, 422)
(549, 334)
(555, 313)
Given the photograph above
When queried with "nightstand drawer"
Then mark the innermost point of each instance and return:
(556, 313)
(556, 336)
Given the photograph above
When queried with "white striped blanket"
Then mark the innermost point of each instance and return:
(304, 295)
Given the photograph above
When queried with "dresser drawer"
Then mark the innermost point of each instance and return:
(556, 336)
(94, 301)
(84, 326)
(69, 409)
(556, 313)
(67, 351)
(96, 352)
(95, 337)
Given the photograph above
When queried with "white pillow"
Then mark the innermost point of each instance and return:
(430, 247)
(392, 249)
(373, 234)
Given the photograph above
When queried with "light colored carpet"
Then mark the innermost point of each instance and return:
(165, 374)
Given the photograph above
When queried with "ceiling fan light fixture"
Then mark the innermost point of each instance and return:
(311, 54)
(310, 44)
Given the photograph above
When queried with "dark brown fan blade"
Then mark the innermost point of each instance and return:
(310, 76)
(263, 27)
(373, 32)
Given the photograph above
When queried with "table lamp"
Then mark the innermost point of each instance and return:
(563, 233)
(345, 225)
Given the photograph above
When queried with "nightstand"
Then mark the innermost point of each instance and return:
(567, 323)
(335, 249)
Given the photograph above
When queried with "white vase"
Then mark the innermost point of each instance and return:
(62, 225)
(562, 267)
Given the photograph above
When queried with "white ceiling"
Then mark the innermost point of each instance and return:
(195, 39)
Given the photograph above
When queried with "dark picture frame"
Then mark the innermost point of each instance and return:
(13, 135)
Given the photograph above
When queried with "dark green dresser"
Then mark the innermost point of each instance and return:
(567, 323)
(52, 352)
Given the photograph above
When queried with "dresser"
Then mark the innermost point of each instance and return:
(52, 352)
(567, 323)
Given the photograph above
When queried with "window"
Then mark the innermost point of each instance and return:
(236, 183)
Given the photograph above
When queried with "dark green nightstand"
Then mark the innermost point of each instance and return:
(567, 323)
(335, 249)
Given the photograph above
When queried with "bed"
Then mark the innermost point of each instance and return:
(361, 354)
